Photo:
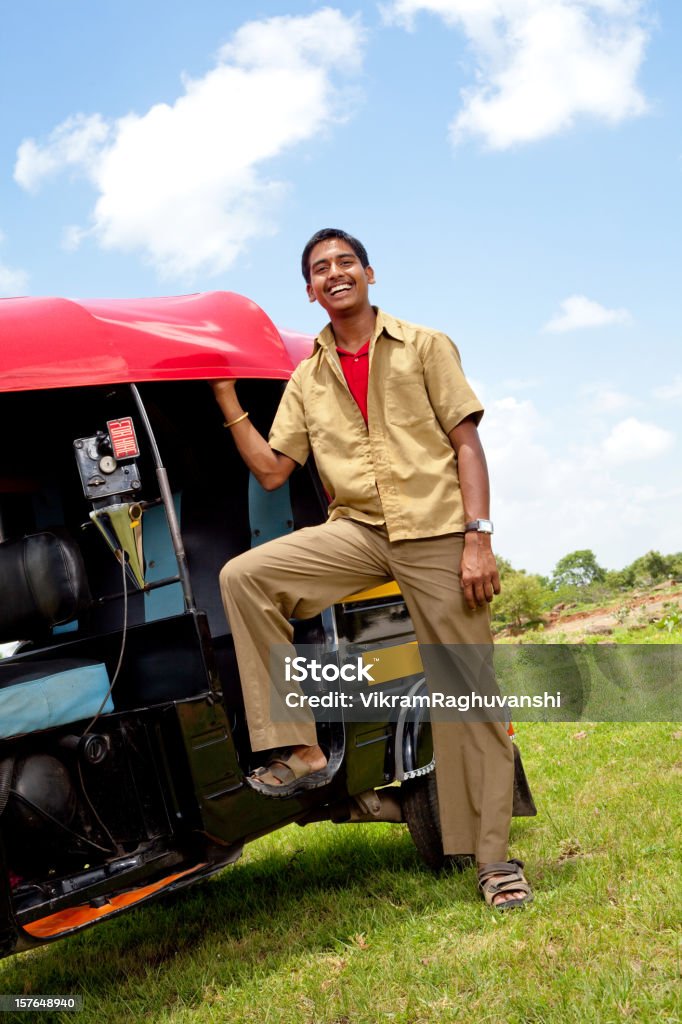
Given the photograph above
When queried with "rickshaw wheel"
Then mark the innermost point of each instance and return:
(420, 809)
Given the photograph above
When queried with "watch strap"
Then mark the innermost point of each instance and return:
(479, 526)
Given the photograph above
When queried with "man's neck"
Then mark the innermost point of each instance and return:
(354, 331)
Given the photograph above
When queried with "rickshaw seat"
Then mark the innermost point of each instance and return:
(44, 584)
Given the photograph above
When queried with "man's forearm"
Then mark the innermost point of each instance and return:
(473, 481)
(480, 578)
(475, 489)
(269, 467)
(472, 470)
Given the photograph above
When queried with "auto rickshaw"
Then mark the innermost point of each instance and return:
(123, 742)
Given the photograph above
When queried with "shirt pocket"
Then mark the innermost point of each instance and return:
(328, 415)
(407, 402)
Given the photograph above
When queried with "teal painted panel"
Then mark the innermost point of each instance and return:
(160, 563)
(270, 512)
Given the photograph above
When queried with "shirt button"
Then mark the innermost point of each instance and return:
(355, 360)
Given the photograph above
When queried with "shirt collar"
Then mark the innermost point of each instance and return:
(384, 324)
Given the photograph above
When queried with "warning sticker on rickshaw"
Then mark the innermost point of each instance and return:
(123, 440)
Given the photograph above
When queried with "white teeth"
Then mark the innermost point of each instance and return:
(340, 288)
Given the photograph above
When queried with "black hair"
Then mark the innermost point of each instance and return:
(323, 236)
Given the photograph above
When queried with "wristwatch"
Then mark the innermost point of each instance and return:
(479, 526)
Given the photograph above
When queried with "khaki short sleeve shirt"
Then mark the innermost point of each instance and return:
(399, 470)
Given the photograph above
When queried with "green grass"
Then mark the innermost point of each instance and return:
(341, 924)
(651, 633)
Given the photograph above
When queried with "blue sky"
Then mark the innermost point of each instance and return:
(513, 167)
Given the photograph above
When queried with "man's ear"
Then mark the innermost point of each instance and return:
(369, 274)
(310, 293)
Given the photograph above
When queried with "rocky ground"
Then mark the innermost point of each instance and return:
(637, 609)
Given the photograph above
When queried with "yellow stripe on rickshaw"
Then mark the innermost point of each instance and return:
(384, 590)
(389, 663)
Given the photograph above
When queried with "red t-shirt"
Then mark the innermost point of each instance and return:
(355, 366)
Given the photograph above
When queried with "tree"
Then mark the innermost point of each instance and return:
(651, 568)
(522, 599)
(620, 579)
(504, 566)
(579, 569)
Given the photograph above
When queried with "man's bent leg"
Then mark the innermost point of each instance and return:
(294, 576)
(474, 760)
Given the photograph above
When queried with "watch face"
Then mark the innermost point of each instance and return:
(485, 526)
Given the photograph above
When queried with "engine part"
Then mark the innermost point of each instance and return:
(42, 793)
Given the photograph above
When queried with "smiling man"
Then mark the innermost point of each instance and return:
(384, 407)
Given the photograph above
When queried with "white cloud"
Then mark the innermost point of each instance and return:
(552, 494)
(577, 311)
(602, 398)
(13, 281)
(670, 392)
(540, 64)
(72, 237)
(76, 142)
(520, 383)
(609, 400)
(188, 183)
(631, 440)
(515, 435)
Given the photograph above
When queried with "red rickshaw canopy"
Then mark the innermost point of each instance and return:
(52, 342)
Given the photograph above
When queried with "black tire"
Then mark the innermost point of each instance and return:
(420, 808)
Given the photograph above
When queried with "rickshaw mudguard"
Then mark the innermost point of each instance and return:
(523, 804)
(60, 923)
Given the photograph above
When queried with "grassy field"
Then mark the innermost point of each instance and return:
(340, 924)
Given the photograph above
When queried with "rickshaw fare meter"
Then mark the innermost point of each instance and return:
(106, 461)
(110, 477)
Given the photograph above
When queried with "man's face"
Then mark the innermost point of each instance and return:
(338, 281)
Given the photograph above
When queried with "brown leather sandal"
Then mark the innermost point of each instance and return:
(287, 774)
(514, 881)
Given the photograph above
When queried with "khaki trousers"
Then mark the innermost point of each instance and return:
(298, 575)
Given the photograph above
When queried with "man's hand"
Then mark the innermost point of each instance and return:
(225, 394)
(478, 571)
(223, 387)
